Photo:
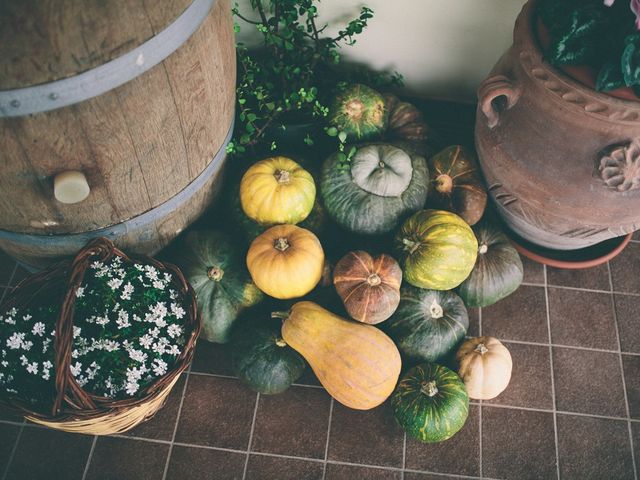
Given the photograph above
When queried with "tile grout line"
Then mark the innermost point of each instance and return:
(580, 289)
(326, 446)
(480, 407)
(177, 422)
(13, 453)
(553, 387)
(253, 426)
(89, 457)
(624, 381)
(404, 454)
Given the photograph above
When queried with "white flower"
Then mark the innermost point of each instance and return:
(114, 283)
(13, 312)
(173, 350)
(161, 322)
(76, 331)
(27, 345)
(138, 355)
(33, 368)
(159, 367)
(14, 342)
(80, 292)
(38, 329)
(146, 341)
(154, 332)
(102, 320)
(160, 346)
(131, 388)
(27, 317)
(136, 318)
(174, 331)
(159, 284)
(159, 310)
(139, 267)
(127, 291)
(173, 294)
(152, 273)
(24, 360)
(177, 310)
(123, 319)
(167, 277)
(76, 369)
(9, 321)
(97, 265)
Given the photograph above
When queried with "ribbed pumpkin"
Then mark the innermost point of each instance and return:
(428, 324)
(286, 261)
(360, 112)
(277, 190)
(457, 184)
(369, 287)
(356, 363)
(485, 367)
(431, 403)
(437, 249)
(262, 359)
(381, 185)
(214, 265)
(498, 271)
(406, 124)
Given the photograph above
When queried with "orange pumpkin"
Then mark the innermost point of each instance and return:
(369, 287)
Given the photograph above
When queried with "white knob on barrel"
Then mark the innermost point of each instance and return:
(70, 187)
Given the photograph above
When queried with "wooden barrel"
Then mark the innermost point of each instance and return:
(128, 101)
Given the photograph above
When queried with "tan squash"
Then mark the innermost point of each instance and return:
(356, 363)
(369, 287)
(286, 261)
(485, 367)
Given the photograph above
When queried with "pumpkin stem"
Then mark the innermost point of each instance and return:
(215, 273)
(281, 315)
(280, 342)
(282, 176)
(281, 244)
(429, 388)
(410, 245)
(483, 248)
(381, 164)
(444, 183)
(436, 310)
(481, 349)
(374, 279)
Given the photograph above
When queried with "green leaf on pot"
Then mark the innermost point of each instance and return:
(610, 77)
(631, 61)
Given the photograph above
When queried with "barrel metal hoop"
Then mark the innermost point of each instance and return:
(78, 240)
(106, 77)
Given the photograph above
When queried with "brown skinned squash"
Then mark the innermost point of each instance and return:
(457, 185)
(406, 124)
(369, 287)
(356, 363)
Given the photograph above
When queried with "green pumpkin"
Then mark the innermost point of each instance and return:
(360, 112)
(262, 359)
(498, 270)
(436, 249)
(215, 267)
(431, 403)
(428, 324)
(381, 185)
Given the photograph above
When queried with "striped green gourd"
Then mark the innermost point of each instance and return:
(428, 324)
(498, 271)
(360, 112)
(437, 249)
(431, 403)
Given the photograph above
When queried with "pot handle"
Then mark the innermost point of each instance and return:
(492, 89)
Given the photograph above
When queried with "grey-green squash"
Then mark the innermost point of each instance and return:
(215, 266)
(380, 186)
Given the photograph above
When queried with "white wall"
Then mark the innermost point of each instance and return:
(444, 48)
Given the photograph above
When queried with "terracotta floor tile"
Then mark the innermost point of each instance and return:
(596, 278)
(212, 358)
(631, 366)
(190, 463)
(262, 467)
(588, 382)
(635, 435)
(533, 271)
(521, 316)
(628, 315)
(530, 384)
(625, 268)
(445, 457)
(352, 442)
(474, 322)
(161, 426)
(518, 444)
(120, 458)
(293, 423)
(593, 448)
(8, 434)
(216, 412)
(46, 454)
(350, 472)
(582, 319)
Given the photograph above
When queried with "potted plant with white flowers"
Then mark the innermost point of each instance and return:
(96, 346)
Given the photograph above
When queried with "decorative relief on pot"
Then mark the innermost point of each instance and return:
(620, 167)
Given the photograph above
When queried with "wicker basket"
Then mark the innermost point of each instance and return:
(75, 410)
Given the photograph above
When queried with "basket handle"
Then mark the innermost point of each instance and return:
(67, 389)
(492, 89)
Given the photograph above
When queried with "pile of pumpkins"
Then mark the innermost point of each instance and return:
(404, 305)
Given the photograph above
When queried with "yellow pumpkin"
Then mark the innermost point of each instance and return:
(356, 363)
(485, 367)
(277, 190)
(286, 261)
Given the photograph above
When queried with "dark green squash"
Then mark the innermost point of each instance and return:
(380, 186)
(428, 324)
(498, 269)
(215, 266)
(360, 112)
(262, 359)
(431, 403)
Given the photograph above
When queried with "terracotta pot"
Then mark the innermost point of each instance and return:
(561, 161)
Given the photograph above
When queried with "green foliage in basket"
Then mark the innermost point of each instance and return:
(128, 332)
